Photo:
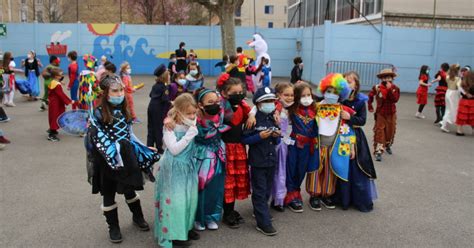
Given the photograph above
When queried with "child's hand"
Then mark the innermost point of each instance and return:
(345, 115)
(251, 121)
(353, 154)
(371, 109)
(265, 134)
(169, 123)
(276, 134)
(276, 116)
(153, 148)
(429, 84)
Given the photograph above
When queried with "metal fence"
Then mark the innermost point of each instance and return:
(367, 71)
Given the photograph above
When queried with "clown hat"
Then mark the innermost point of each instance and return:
(336, 81)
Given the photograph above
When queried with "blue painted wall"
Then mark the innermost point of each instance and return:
(406, 48)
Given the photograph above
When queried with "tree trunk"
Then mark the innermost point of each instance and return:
(226, 17)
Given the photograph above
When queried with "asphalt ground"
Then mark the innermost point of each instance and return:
(426, 192)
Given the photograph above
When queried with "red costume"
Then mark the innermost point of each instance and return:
(422, 91)
(465, 114)
(127, 81)
(441, 89)
(57, 104)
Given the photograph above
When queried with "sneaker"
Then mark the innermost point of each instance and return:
(271, 217)
(231, 221)
(459, 134)
(198, 226)
(315, 204)
(444, 129)
(295, 207)
(328, 203)
(388, 149)
(193, 235)
(2, 146)
(42, 107)
(10, 104)
(4, 120)
(437, 123)
(278, 208)
(4, 140)
(269, 230)
(378, 156)
(212, 226)
(181, 243)
(239, 217)
(419, 115)
(53, 137)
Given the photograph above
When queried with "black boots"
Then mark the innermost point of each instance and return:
(136, 209)
(111, 216)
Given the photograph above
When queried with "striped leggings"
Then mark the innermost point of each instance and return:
(322, 183)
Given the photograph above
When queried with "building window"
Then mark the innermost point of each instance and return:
(368, 7)
(270, 25)
(327, 10)
(269, 9)
(238, 12)
(345, 11)
(23, 15)
(39, 16)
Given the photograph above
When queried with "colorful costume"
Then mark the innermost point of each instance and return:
(465, 115)
(303, 154)
(385, 114)
(73, 72)
(57, 104)
(260, 46)
(127, 81)
(88, 84)
(422, 91)
(360, 190)
(334, 140)
(279, 181)
(176, 188)
(32, 73)
(47, 80)
(266, 70)
(210, 158)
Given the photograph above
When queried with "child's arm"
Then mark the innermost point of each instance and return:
(64, 98)
(371, 99)
(422, 79)
(174, 146)
(393, 94)
(352, 151)
(254, 137)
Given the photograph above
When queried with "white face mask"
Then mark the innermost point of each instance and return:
(181, 81)
(193, 72)
(189, 122)
(29, 56)
(129, 71)
(286, 104)
(306, 101)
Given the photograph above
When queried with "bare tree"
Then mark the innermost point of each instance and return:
(225, 10)
(55, 10)
(147, 9)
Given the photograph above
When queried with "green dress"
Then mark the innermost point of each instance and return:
(176, 193)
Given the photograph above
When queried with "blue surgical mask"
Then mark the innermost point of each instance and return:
(331, 98)
(267, 107)
(193, 72)
(181, 81)
(116, 100)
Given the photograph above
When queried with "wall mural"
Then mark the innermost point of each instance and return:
(55, 47)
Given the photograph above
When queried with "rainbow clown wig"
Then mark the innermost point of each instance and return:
(89, 61)
(336, 81)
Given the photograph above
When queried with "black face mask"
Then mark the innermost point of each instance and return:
(213, 109)
(12, 59)
(61, 79)
(236, 98)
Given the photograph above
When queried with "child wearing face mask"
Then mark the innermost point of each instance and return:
(335, 142)
(88, 83)
(125, 74)
(57, 102)
(119, 161)
(177, 86)
(195, 79)
(32, 72)
(210, 158)
(285, 94)
(236, 112)
(422, 91)
(176, 187)
(297, 71)
(158, 108)
(303, 154)
(263, 140)
(386, 95)
(172, 65)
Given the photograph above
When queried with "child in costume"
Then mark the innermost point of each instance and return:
(303, 154)
(335, 142)
(297, 71)
(440, 102)
(223, 64)
(177, 85)
(88, 83)
(172, 65)
(465, 115)
(176, 188)
(57, 102)
(158, 108)
(210, 158)
(46, 74)
(73, 72)
(118, 159)
(452, 97)
(32, 72)
(263, 140)
(195, 79)
(8, 75)
(285, 94)
(242, 63)
(386, 95)
(266, 69)
(236, 111)
(422, 91)
(125, 74)
(250, 70)
(233, 68)
(359, 191)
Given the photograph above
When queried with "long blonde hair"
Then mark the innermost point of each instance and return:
(180, 104)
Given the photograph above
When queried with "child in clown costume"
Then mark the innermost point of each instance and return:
(88, 85)
(335, 142)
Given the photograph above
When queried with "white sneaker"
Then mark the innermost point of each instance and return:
(444, 129)
(198, 226)
(419, 115)
(212, 226)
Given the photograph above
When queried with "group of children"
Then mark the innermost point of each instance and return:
(454, 102)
